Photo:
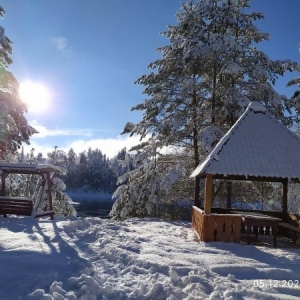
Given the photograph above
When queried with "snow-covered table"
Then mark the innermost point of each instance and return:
(256, 220)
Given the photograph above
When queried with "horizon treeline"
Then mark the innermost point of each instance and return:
(87, 170)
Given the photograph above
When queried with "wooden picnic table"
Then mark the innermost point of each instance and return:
(256, 220)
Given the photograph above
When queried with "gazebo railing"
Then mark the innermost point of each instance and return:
(216, 227)
(222, 226)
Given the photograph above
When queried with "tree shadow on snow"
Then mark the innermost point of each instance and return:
(259, 262)
(36, 256)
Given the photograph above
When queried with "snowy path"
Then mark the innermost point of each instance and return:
(137, 259)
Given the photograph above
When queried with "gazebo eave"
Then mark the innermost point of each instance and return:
(250, 178)
(209, 186)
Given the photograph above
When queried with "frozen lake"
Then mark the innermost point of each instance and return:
(92, 204)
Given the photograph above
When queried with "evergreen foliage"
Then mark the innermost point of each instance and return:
(14, 128)
(295, 100)
(206, 76)
(88, 170)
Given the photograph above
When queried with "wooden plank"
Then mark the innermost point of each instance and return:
(290, 231)
(237, 221)
(4, 202)
(250, 178)
(197, 221)
(45, 214)
(8, 198)
(288, 226)
(7, 208)
(20, 212)
(228, 229)
(209, 228)
(49, 181)
(208, 194)
(16, 206)
(15, 201)
(219, 227)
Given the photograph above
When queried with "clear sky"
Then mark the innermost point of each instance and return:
(89, 53)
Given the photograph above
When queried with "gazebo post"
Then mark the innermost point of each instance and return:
(3, 176)
(197, 192)
(208, 193)
(284, 196)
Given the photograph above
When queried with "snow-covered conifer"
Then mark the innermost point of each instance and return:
(14, 129)
(209, 72)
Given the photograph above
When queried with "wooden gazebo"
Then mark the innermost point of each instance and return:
(257, 148)
(24, 205)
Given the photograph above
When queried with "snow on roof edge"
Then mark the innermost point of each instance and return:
(255, 107)
(27, 166)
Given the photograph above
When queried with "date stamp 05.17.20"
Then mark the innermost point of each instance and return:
(276, 283)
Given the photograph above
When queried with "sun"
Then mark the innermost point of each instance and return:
(35, 95)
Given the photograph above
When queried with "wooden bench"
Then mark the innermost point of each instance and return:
(15, 206)
(290, 230)
(45, 214)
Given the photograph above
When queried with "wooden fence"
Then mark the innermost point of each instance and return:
(216, 227)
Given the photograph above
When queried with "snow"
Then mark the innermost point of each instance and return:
(257, 107)
(137, 259)
(256, 145)
(25, 166)
(209, 136)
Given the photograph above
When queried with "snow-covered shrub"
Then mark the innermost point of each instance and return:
(151, 184)
(62, 203)
(136, 194)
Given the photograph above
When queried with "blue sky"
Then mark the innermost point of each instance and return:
(89, 53)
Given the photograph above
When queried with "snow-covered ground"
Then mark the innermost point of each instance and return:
(92, 258)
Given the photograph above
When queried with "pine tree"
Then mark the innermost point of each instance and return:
(71, 171)
(14, 128)
(294, 105)
(210, 71)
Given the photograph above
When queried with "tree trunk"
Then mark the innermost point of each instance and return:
(213, 100)
(196, 151)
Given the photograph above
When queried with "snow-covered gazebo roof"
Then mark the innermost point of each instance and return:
(256, 147)
(25, 168)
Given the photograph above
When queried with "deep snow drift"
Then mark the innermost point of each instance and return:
(136, 259)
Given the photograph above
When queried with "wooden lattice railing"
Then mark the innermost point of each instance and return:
(216, 227)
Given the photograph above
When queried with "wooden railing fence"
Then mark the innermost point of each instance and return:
(216, 227)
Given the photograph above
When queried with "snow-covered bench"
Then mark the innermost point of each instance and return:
(290, 230)
(15, 206)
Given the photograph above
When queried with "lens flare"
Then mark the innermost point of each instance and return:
(35, 95)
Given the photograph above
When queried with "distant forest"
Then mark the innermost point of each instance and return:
(87, 170)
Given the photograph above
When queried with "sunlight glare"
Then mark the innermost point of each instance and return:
(35, 95)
